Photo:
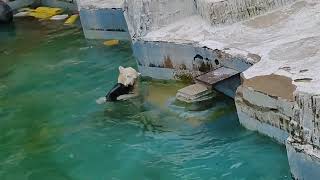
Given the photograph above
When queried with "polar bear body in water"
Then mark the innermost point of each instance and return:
(125, 88)
(128, 76)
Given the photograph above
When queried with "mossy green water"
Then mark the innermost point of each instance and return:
(51, 127)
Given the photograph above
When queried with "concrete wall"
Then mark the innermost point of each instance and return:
(104, 23)
(286, 114)
(65, 4)
(103, 19)
(164, 60)
(144, 16)
(17, 4)
(183, 59)
(304, 160)
(263, 113)
(230, 11)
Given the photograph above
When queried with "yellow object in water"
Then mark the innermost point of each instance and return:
(45, 12)
(113, 42)
(72, 19)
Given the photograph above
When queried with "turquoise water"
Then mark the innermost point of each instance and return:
(51, 127)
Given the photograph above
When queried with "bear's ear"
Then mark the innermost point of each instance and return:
(121, 69)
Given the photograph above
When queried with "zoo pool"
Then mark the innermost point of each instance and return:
(51, 128)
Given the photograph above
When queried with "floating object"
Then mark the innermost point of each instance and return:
(216, 76)
(6, 14)
(111, 42)
(195, 93)
(59, 17)
(49, 10)
(72, 19)
(118, 90)
(45, 12)
(22, 14)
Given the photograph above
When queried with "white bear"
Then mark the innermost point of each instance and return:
(127, 76)
(125, 88)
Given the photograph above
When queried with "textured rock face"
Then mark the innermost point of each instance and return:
(303, 144)
(264, 113)
(148, 15)
(184, 23)
(294, 123)
(144, 16)
(303, 159)
(280, 95)
(292, 119)
(230, 11)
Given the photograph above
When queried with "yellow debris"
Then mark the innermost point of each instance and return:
(45, 12)
(72, 19)
(113, 42)
(49, 10)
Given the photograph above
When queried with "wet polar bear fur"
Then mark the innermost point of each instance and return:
(127, 76)
(126, 87)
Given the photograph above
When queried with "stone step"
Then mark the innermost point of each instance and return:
(213, 77)
(194, 93)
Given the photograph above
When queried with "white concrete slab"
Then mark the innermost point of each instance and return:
(283, 38)
(194, 93)
(194, 90)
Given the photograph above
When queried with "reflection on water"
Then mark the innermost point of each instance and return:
(51, 127)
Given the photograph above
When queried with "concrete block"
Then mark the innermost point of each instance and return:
(66, 4)
(103, 19)
(261, 127)
(304, 160)
(194, 93)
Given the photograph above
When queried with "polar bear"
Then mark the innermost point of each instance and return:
(127, 76)
(125, 88)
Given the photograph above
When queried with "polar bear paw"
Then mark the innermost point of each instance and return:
(101, 100)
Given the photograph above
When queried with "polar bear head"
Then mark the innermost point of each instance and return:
(127, 76)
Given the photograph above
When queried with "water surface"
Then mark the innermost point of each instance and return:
(51, 128)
